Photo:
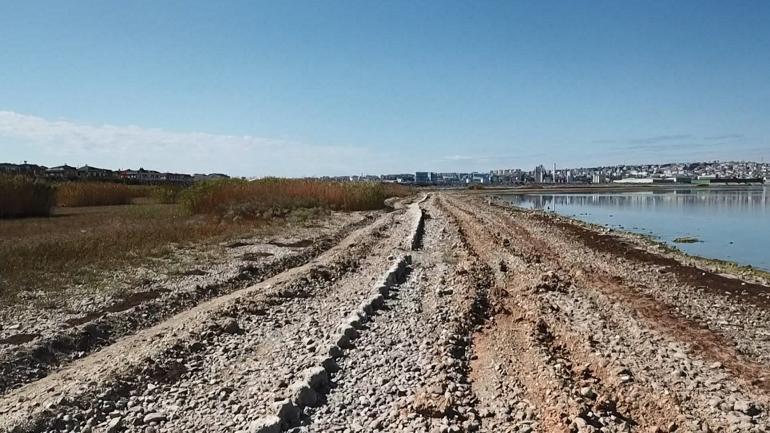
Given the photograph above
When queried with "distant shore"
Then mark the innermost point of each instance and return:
(565, 188)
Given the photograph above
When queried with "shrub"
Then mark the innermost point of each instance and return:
(269, 197)
(22, 197)
(97, 193)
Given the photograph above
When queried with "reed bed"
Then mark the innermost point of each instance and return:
(74, 194)
(263, 198)
(167, 194)
(25, 197)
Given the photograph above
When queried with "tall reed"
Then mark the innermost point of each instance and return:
(255, 198)
(98, 193)
(22, 196)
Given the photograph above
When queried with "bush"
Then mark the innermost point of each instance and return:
(97, 193)
(23, 197)
(270, 197)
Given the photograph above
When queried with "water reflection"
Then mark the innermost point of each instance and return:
(732, 223)
(743, 200)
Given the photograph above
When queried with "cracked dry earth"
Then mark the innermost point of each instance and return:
(484, 318)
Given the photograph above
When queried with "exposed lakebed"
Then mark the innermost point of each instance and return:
(721, 223)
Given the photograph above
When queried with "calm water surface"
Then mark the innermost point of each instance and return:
(731, 223)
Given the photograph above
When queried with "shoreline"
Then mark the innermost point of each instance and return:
(662, 247)
(654, 240)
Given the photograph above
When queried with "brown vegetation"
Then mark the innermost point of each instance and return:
(73, 194)
(24, 197)
(263, 198)
(78, 243)
(75, 244)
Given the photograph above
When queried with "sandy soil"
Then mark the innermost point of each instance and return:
(507, 321)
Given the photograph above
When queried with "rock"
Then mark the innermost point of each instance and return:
(436, 389)
(334, 351)
(317, 377)
(230, 326)
(747, 407)
(287, 411)
(328, 363)
(302, 394)
(114, 425)
(154, 417)
(342, 341)
(587, 392)
(431, 405)
(269, 424)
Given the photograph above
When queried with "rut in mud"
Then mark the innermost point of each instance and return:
(451, 315)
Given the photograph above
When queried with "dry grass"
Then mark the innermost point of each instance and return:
(24, 197)
(80, 246)
(264, 198)
(74, 245)
(72, 194)
(167, 194)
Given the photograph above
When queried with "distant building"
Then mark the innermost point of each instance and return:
(23, 169)
(398, 178)
(634, 180)
(176, 177)
(478, 178)
(62, 172)
(88, 172)
(597, 178)
(422, 178)
(449, 178)
(140, 175)
(539, 174)
(199, 177)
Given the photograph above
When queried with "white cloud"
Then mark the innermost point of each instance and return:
(459, 158)
(57, 142)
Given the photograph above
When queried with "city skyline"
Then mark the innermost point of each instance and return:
(676, 171)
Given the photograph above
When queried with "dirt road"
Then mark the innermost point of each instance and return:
(452, 314)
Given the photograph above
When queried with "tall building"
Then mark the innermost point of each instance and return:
(422, 178)
(539, 173)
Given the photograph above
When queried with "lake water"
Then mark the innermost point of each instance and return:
(731, 223)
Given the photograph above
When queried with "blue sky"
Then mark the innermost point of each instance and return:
(329, 87)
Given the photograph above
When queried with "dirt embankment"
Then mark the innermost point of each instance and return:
(447, 315)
